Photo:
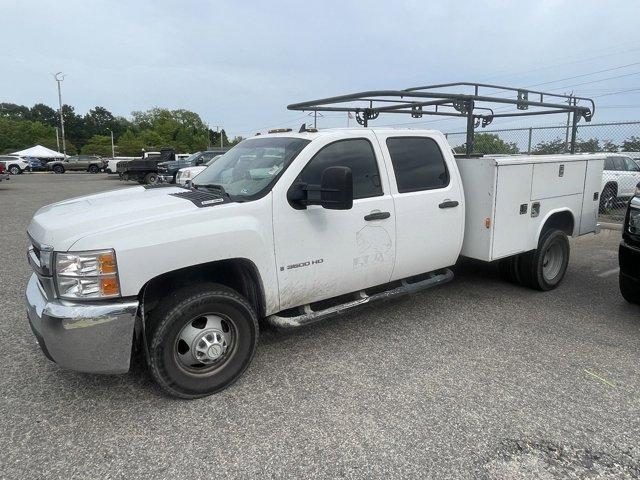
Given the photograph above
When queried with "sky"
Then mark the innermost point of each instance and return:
(238, 64)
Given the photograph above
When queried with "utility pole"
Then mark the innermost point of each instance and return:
(59, 78)
(315, 118)
(113, 148)
(57, 138)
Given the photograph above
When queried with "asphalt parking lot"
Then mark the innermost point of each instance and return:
(475, 379)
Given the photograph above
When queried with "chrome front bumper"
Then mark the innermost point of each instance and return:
(165, 177)
(94, 338)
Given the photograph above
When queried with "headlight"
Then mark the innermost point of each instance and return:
(87, 274)
(634, 221)
(187, 174)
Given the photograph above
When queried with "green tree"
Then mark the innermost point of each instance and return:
(44, 114)
(129, 145)
(98, 145)
(20, 134)
(74, 126)
(489, 143)
(14, 111)
(631, 144)
(588, 146)
(550, 147)
(609, 146)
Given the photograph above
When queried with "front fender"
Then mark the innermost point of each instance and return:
(201, 235)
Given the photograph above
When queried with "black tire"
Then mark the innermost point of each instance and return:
(151, 178)
(185, 308)
(608, 197)
(58, 169)
(94, 169)
(552, 254)
(14, 170)
(629, 288)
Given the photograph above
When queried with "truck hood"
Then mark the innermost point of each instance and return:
(62, 224)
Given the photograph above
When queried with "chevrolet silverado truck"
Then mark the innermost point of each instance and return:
(289, 228)
(168, 171)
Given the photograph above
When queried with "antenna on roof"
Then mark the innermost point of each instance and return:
(303, 128)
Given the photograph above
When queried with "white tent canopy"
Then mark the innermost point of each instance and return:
(39, 152)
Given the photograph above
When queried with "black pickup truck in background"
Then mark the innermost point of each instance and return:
(167, 171)
(145, 170)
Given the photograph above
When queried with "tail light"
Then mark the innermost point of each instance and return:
(2, 167)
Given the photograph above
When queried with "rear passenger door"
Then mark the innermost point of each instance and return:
(428, 202)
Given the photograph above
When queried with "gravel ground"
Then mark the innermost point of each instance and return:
(475, 379)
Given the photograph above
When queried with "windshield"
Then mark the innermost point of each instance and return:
(190, 158)
(251, 166)
(210, 162)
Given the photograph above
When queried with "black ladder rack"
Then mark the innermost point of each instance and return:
(459, 99)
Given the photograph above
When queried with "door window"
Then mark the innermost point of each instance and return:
(358, 155)
(418, 164)
(631, 165)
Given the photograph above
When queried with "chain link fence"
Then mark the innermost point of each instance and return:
(620, 139)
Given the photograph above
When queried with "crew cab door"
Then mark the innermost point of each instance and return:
(429, 202)
(322, 253)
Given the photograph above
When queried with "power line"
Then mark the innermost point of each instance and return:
(585, 74)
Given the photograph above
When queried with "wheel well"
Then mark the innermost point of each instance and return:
(13, 165)
(239, 274)
(559, 221)
(612, 185)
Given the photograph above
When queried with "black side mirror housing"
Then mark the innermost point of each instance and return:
(335, 191)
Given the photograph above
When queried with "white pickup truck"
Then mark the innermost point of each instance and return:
(290, 228)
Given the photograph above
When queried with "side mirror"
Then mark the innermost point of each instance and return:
(335, 191)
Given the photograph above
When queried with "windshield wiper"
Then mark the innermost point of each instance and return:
(213, 186)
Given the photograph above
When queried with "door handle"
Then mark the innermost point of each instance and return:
(377, 216)
(448, 204)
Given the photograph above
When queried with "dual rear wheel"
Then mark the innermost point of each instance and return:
(542, 268)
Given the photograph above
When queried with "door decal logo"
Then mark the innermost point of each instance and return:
(373, 245)
(302, 264)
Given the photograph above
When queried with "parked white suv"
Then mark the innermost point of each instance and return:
(619, 180)
(14, 164)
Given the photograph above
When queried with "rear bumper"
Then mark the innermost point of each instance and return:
(629, 260)
(94, 338)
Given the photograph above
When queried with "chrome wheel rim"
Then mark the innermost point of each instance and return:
(552, 261)
(205, 343)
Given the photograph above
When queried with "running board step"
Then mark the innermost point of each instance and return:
(310, 316)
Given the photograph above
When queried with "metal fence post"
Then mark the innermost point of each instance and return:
(530, 135)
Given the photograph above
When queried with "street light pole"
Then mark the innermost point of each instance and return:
(59, 78)
(113, 148)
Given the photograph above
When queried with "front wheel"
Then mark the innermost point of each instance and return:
(202, 338)
(151, 178)
(58, 169)
(93, 169)
(15, 170)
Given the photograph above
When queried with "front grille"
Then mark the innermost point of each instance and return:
(40, 258)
